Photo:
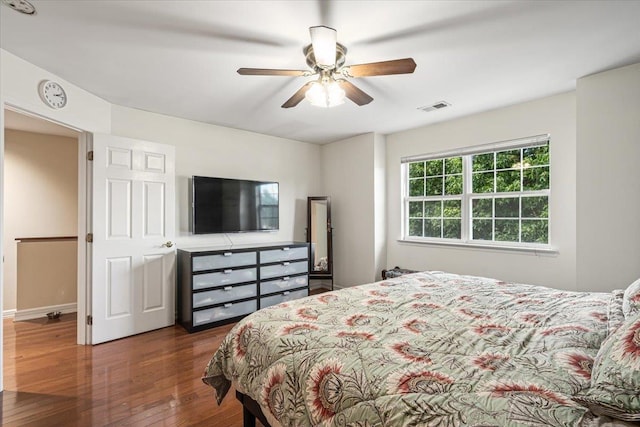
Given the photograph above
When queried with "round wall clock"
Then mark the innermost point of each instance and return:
(52, 94)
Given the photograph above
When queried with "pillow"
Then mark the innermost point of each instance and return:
(615, 314)
(631, 299)
(615, 378)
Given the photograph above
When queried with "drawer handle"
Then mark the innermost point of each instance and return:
(227, 288)
(227, 254)
(285, 279)
(285, 249)
(286, 263)
(227, 305)
(227, 271)
(286, 293)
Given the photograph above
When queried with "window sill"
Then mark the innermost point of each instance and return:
(480, 246)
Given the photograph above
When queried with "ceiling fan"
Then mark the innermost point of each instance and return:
(326, 58)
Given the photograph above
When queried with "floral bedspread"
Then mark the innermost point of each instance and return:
(432, 349)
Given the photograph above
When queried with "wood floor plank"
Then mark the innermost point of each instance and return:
(151, 379)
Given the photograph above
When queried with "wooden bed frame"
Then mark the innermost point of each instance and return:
(250, 411)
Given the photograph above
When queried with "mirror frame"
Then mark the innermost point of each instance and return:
(328, 274)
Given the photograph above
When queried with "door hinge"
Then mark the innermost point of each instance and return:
(90, 155)
(90, 237)
(89, 320)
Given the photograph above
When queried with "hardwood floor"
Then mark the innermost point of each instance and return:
(151, 379)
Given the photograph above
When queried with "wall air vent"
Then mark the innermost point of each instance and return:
(437, 106)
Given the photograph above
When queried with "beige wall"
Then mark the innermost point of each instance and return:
(555, 115)
(40, 200)
(349, 177)
(608, 176)
(208, 150)
(46, 274)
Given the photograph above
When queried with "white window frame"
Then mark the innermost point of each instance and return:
(466, 196)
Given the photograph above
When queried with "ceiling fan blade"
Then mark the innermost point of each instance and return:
(395, 66)
(298, 96)
(323, 40)
(271, 72)
(354, 93)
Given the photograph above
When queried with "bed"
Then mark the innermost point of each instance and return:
(439, 349)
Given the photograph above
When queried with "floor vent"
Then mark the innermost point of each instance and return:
(437, 106)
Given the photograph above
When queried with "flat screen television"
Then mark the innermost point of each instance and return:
(223, 205)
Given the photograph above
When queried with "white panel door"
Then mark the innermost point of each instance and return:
(133, 218)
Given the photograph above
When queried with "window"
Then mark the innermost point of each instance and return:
(492, 194)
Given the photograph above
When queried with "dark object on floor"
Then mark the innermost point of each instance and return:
(54, 315)
(395, 272)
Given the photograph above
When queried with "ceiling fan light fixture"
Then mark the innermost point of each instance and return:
(325, 94)
(323, 40)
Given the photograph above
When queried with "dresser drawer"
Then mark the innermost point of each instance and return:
(226, 277)
(227, 311)
(286, 283)
(283, 297)
(226, 294)
(224, 260)
(283, 254)
(284, 269)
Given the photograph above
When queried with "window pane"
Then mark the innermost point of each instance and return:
(508, 189)
(432, 228)
(483, 162)
(453, 184)
(535, 156)
(416, 170)
(415, 227)
(416, 187)
(482, 229)
(434, 167)
(452, 228)
(434, 186)
(508, 207)
(535, 230)
(453, 165)
(415, 209)
(508, 159)
(506, 230)
(535, 207)
(482, 208)
(483, 182)
(508, 180)
(452, 208)
(433, 209)
(536, 178)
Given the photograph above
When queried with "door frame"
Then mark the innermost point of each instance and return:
(83, 335)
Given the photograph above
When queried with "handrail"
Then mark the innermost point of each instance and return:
(45, 239)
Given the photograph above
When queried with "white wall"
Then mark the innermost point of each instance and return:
(380, 203)
(201, 149)
(41, 196)
(555, 115)
(608, 192)
(209, 150)
(348, 171)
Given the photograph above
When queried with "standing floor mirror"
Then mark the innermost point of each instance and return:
(319, 233)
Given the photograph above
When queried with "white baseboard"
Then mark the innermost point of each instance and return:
(35, 313)
(9, 313)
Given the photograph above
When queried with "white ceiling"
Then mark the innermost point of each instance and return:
(180, 57)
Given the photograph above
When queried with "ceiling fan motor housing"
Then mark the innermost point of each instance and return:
(341, 54)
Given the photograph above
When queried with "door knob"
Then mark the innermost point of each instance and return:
(168, 244)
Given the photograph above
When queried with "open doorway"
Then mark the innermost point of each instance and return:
(40, 216)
